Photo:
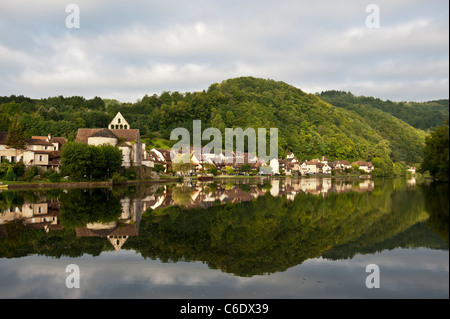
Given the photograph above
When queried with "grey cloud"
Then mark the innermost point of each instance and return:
(125, 49)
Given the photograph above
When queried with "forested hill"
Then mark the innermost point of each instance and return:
(307, 125)
(421, 115)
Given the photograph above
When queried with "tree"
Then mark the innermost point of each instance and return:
(182, 164)
(80, 160)
(245, 168)
(76, 160)
(112, 156)
(16, 137)
(10, 176)
(159, 168)
(436, 153)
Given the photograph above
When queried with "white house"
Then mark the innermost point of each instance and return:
(364, 166)
(275, 166)
(126, 139)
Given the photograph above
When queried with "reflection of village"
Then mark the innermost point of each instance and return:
(46, 214)
(206, 194)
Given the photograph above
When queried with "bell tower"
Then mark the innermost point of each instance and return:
(119, 123)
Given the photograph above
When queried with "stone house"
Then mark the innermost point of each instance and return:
(126, 139)
(41, 151)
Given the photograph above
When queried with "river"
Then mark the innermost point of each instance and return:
(238, 238)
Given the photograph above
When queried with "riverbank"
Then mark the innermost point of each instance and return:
(45, 185)
(165, 179)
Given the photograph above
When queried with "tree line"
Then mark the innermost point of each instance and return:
(335, 124)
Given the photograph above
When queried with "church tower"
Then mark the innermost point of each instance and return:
(119, 123)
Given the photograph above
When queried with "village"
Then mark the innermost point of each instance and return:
(44, 152)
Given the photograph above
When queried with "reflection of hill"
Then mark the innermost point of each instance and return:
(418, 235)
(272, 234)
(234, 230)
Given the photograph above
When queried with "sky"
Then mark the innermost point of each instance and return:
(417, 273)
(125, 49)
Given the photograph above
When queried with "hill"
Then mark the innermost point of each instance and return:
(421, 115)
(308, 125)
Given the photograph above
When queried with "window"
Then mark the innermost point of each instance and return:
(118, 121)
(41, 158)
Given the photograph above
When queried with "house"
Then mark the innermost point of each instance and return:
(326, 168)
(341, 165)
(324, 159)
(121, 136)
(41, 151)
(311, 167)
(147, 159)
(364, 166)
(275, 165)
(162, 157)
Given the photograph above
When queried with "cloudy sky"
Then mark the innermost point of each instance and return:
(126, 49)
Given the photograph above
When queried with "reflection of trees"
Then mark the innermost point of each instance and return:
(264, 235)
(437, 205)
(80, 207)
(181, 195)
(272, 234)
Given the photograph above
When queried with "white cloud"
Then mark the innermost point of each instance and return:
(128, 49)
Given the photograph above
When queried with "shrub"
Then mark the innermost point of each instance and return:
(31, 173)
(54, 177)
(118, 179)
(132, 175)
(10, 176)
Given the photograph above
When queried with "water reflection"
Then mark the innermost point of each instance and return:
(243, 227)
(199, 194)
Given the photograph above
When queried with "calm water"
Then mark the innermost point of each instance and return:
(287, 238)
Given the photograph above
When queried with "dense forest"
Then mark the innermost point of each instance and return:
(336, 124)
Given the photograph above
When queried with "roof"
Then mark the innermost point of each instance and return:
(362, 163)
(165, 153)
(37, 141)
(103, 133)
(312, 162)
(129, 135)
(60, 140)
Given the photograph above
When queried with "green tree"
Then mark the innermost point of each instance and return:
(436, 153)
(245, 168)
(112, 156)
(10, 176)
(16, 137)
(76, 160)
(182, 164)
(80, 160)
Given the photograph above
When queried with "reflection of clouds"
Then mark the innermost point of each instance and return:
(405, 273)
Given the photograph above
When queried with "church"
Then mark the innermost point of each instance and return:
(120, 135)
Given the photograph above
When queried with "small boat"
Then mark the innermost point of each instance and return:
(3, 186)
